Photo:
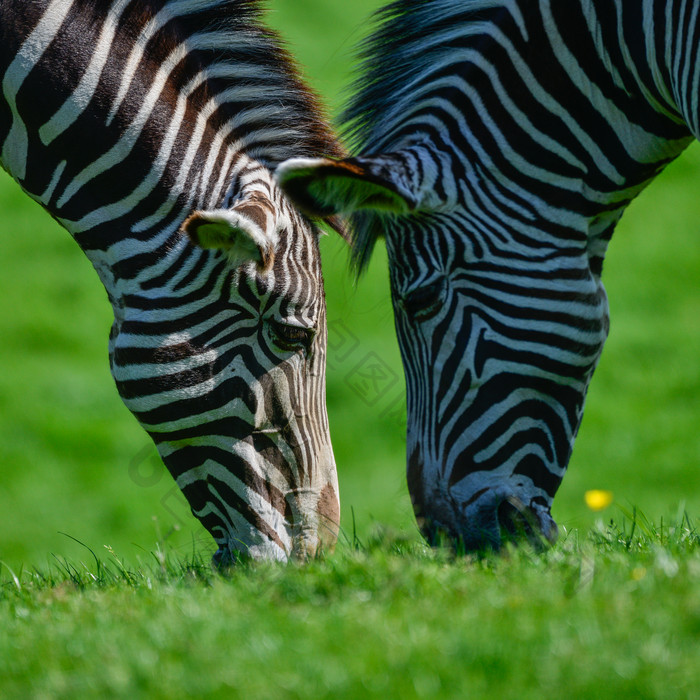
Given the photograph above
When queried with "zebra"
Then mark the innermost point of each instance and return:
(498, 144)
(150, 129)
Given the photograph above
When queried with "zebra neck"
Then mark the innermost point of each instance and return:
(122, 117)
(130, 231)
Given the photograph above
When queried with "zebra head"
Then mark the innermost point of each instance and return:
(498, 346)
(226, 372)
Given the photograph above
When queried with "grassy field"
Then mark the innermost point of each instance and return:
(616, 616)
(604, 614)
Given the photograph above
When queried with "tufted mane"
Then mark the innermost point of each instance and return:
(410, 38)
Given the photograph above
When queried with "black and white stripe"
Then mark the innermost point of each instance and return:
(505, 139)
(131, 122)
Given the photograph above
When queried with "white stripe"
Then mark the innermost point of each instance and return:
(14, 150)
(133, 64)
(74, 106)
(48, 193)
(121, 150)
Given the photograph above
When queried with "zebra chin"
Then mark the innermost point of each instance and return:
(308, 527)
(497, 518)
(481, 519)
(300, 547)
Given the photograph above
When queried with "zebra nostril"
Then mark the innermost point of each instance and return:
(221, 558)
(517, 521)
(225, 558)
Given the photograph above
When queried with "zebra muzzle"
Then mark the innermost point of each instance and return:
(519, 522)
(488, 522)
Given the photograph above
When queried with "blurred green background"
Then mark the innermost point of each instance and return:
(74, 461)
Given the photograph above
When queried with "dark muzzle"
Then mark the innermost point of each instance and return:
(488, 523)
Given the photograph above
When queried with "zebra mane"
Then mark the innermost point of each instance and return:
(248, 74)
(409, 38)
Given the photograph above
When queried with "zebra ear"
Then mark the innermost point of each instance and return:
(243, 232)
(321, 187)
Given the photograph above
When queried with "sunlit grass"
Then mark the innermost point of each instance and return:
(612, 613)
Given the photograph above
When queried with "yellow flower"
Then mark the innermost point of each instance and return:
(597, 499)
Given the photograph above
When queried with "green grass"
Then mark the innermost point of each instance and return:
(615, 615)
(600, 615)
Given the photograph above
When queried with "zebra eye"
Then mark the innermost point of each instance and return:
(291, 338)
(426, 301)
